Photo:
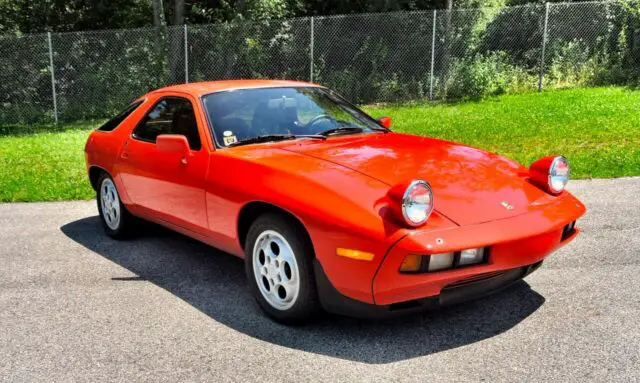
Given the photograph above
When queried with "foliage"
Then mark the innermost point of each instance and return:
(481, 52)
(97, 76)
(28, 16)
(25, 80)
(374, 57)
(369, 57)
(516, 31)
(489, 75)
(240, 49)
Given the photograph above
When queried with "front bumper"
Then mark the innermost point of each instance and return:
(390, 286)
(395, 292)
(458, 292)
(517, 245)
(515, 242)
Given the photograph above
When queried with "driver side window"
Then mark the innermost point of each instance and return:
(170, 115)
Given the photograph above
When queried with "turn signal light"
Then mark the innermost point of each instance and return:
(412, 263)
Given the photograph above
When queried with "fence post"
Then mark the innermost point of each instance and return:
(433, 55)
(186, 56)
(544, 46)
(311, 52)
(53, 80)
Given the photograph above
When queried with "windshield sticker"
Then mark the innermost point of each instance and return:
(229, 138)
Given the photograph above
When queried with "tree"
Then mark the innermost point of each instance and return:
(158, 13)
(28, 16)
(178, 12)
(176, 43)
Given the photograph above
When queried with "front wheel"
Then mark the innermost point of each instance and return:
(279, 269)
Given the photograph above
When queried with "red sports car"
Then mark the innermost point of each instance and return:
(327, 206)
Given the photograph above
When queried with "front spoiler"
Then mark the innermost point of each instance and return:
(458, 292)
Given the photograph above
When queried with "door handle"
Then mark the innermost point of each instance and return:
(124, 154)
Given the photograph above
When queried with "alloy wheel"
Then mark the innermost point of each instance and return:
(276, 270)
(110, 203)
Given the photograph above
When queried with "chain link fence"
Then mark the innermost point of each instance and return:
(436, 55)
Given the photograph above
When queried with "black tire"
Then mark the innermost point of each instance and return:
(306, 305)
(126, 223)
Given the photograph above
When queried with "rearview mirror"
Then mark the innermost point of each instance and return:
(172, 143)
(385, 121)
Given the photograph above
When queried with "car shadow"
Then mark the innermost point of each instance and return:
(214, 283)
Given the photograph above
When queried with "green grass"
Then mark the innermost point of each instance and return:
(44, 167)
(597, 129)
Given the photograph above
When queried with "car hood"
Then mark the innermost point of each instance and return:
(470, 185)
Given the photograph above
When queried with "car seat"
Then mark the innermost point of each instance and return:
(184, 123)
(274, 120)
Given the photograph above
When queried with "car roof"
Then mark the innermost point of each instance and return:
(201, 88)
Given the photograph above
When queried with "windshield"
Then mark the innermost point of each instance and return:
(245, 114)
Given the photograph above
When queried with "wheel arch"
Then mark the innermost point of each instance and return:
(252, 210)
(94, 175)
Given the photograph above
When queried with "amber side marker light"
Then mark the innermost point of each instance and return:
(354, 254)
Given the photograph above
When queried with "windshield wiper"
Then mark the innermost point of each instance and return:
(343, 123)
(342, 130)
(275, 137)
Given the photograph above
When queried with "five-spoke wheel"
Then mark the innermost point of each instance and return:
(110, 203)
(276, 269)
(279, 268)
(116, 220)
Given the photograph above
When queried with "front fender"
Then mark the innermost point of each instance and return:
(338, 206)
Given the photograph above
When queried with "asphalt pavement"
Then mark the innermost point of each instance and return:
(78, 306)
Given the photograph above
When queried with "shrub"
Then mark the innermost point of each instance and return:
(393, 89)
(482, 75)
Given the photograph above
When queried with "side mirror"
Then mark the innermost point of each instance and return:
(173, 144)
(385, 121)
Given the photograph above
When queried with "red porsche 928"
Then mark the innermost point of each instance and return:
(329, 208)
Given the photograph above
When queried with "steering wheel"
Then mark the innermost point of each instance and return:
(317, 118)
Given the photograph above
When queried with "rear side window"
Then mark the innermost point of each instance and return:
(114, 122)
(170, 115)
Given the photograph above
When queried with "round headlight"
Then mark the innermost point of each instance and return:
(558, 174)
(417, 203)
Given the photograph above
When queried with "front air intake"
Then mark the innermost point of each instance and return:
(568, 230)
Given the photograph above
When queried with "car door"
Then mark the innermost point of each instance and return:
(163, 185)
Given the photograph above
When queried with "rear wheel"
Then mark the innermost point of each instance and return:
(116, 220)
(279, 269)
